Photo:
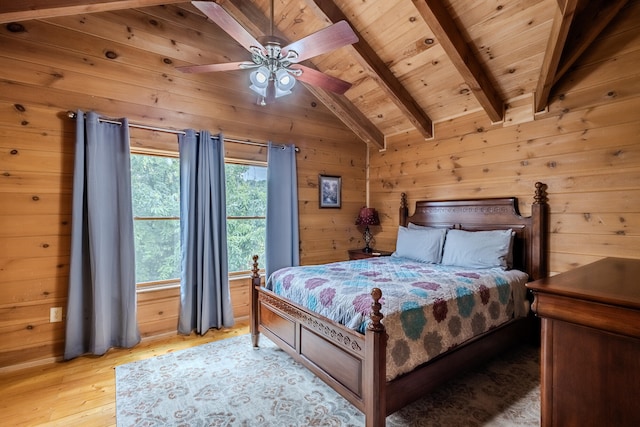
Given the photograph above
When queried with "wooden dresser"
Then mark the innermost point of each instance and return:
(590, 373)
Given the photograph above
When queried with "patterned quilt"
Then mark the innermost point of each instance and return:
(428, 308)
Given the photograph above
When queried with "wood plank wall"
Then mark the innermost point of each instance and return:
(55, 66)
(586, 148)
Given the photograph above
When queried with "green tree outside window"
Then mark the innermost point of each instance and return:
(156, 210)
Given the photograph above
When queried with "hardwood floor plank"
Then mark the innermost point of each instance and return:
(81, 392)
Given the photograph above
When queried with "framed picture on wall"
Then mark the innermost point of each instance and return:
(330, 191)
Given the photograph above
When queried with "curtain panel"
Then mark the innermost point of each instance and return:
(282, 246)
(205, 299)
(101, 308)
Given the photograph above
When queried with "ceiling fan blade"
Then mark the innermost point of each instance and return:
(322, 41)
(322, 80)
(225, 21)
(227, 66)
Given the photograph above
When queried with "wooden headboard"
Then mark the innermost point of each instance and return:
(530, 251)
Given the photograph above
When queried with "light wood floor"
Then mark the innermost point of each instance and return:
(81, 392)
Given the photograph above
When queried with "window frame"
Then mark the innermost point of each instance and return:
(175, 282)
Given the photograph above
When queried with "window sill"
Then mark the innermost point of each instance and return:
(161, 286)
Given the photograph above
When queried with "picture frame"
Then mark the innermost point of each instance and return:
(330, 191)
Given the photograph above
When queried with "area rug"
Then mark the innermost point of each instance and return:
(228, 383)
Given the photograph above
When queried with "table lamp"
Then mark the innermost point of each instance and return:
(367, 217)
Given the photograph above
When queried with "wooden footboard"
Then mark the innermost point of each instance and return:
(351, 363)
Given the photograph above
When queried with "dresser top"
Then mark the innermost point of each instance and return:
(610, 281)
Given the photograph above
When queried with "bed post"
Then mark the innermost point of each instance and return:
(255, 320)
(540, 233)
(404, 210)
(375, 373)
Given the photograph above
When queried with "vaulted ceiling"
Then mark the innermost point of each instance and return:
(417, 62)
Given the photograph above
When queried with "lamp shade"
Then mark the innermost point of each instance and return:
(260, 77)
(284, 81)
(368, 216)
(260, 80)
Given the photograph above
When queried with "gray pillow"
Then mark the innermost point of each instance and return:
(478, 249)
(424, 245)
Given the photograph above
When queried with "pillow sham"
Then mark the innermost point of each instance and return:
(423, 245)
(478, 249)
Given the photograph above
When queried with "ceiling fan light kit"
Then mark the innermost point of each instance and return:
(262, 78)
(277, 68)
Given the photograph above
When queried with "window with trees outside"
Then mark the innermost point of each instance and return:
(155, 190)
(155, 182)
(246, 214)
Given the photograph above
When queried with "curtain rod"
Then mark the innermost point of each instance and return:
(73, 115)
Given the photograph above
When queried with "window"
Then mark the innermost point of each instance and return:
(155, 184)
(246, 214)
(155, 189)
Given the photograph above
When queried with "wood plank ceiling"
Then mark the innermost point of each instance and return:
(417, 62)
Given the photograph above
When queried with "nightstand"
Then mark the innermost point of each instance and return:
(358, 254)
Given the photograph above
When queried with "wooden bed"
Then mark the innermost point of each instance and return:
(354, 364)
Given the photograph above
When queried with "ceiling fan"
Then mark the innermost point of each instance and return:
(277, 66)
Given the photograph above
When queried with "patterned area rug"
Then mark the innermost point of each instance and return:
(227, 383)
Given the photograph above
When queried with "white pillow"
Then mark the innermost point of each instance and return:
(412, 226)
(478, 249)
(424, 245)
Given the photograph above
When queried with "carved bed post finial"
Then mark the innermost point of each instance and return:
(255, 269)
(254, 324)
(404, 210)
(539, 267)
(375, 315)
(540, 198)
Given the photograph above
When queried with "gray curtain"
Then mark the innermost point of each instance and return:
(205, 300)
(101, 308)
(282, 244)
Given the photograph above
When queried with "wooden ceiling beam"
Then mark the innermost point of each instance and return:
(588, 23)
(15, 11)
(559, 31)
(444, 27)
(576, 25)
(353, 118)
(381, 73)
(250, 17)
